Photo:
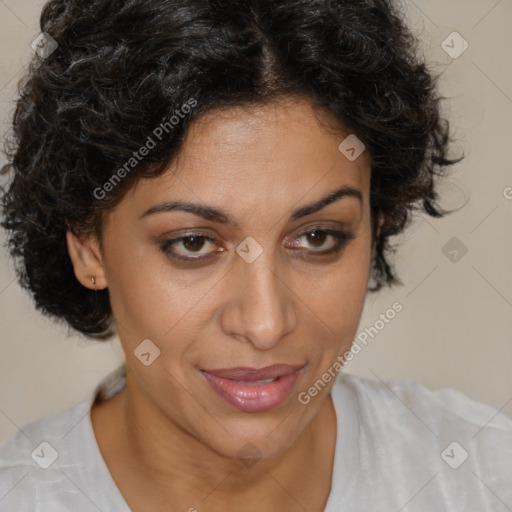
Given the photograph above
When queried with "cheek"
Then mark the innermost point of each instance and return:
(338, 297)
(146, 295)
(153, 300)
(154, 307)
(342, 291)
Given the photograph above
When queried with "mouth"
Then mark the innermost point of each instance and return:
(254, 390)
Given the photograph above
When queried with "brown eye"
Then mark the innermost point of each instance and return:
(316, 237)
(329, 240)
(191, 247)
(193, 243)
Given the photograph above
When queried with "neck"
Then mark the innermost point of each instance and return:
(160, 452)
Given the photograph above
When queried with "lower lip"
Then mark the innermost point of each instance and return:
(254, 397)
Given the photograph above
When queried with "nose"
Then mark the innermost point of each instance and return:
(260, 308)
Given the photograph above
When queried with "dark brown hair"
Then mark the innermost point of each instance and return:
(122, 68)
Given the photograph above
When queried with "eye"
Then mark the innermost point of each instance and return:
(328, 240)
(198, 247)
(192, 246)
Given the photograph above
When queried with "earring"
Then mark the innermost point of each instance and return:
(93, 280)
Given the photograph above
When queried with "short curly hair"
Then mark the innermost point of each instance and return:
(122, 67)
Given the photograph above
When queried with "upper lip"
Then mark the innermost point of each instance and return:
(247, 374)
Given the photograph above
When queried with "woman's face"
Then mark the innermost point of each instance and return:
(261, 279)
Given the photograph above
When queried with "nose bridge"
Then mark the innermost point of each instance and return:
(264, 307)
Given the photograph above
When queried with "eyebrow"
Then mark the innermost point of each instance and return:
(217, 215)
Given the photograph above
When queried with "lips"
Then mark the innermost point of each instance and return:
(253, 390)
(246, 374)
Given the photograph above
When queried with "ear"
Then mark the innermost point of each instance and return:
(85, 254)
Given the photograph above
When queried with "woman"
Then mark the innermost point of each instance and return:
(216, 183)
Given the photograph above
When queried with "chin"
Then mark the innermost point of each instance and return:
(256, 438)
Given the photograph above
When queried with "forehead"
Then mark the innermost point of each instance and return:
(258, 156)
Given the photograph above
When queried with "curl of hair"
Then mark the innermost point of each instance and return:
(122, 67)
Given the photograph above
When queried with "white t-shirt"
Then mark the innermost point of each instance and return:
(399, 447)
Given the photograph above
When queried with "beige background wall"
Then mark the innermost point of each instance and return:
(455, 329)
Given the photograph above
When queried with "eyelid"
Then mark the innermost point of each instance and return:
(340, 236)
(329, 228)
(169, 242)
(341, 239)
(319, 226)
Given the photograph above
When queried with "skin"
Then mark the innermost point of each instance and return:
(257, 164)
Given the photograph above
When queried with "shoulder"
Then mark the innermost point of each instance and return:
(39, 462)
(54, 463)
(459, 448)
(437, 410)
(435, 407)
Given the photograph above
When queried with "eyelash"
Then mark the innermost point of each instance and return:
(340, 237)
